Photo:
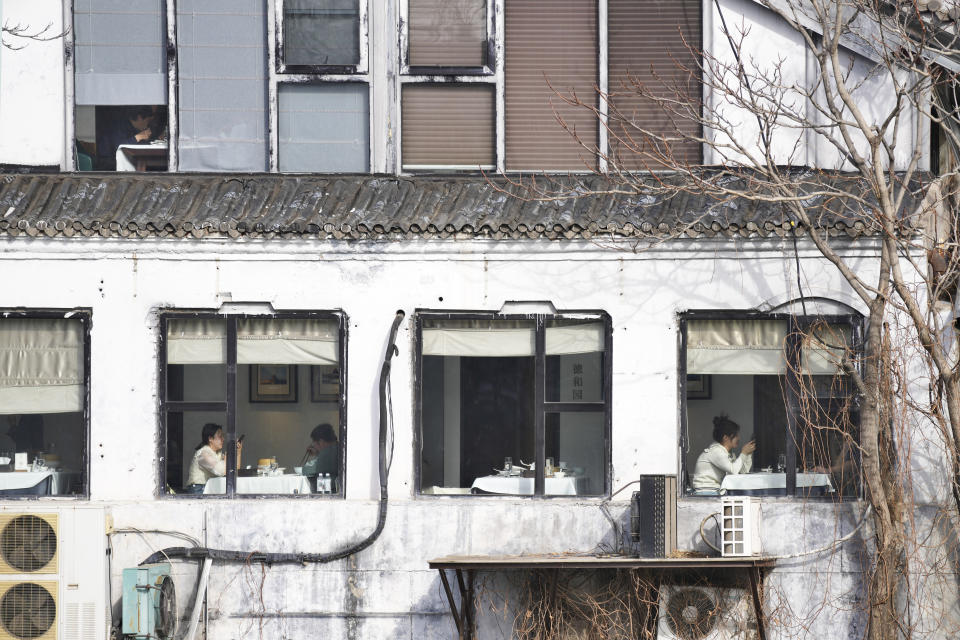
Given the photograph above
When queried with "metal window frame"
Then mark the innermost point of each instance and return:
(228, 404)
(541, 406)
(794, 323)
(361, 68)
(85, 316)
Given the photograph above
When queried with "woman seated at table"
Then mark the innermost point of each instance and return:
(323, 454)
(209, 461)
(717, 460)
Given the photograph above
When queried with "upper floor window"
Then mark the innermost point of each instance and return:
(322, 34)
(513, 405)
(44, 385)
(120, 85)
(767, 406)
(273, 384)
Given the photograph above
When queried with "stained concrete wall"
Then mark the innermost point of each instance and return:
(388, 591)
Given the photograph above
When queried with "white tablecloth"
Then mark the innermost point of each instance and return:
(124, 163)
(288, 484)
(25, 479)
(762, 480)
(517, 486)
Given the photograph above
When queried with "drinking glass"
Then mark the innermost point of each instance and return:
(508, 464)
(781, 463)
(548, 467)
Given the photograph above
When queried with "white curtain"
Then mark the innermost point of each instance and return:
(756, 347)
(41, 365)
(508, 339)
(736, 347)
(259, 341)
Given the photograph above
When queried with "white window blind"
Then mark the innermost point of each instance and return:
(41, 365)
(259, 341)
(119, 52)
(461, 339)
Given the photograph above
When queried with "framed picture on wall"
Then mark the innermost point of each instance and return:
(698, 386)
(324, 383)
(273, 383)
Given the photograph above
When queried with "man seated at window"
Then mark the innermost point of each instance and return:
(131, 126)
(323, 454)
(717, 460)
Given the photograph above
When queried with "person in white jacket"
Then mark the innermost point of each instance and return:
(718, 459)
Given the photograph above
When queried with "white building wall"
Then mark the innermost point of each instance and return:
(388, 591)
(31, 85)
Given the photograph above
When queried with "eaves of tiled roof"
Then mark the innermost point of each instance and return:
(387, 207)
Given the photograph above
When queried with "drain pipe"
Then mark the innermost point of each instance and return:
(386, 419)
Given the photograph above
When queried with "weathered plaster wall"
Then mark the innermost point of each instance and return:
(31, 86)
(387, 591)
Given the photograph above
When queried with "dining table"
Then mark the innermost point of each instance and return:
(289, 484)
(520, 486)
(60, 483)
(763, 483)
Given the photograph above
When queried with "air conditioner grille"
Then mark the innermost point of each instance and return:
(28, 543)
(27, 610)
(691, 613)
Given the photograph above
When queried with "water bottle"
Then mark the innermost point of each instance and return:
(326, 484)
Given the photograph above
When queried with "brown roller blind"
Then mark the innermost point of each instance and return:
(448, 33)
(643, 36)
(553, 40)
(447, 125)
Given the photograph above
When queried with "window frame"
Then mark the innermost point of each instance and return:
(361, 68)
(541, 406)
(488, 69)
(85, 316)
(229, 403)
(794, 322)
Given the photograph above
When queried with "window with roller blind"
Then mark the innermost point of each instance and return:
(513, 405)
(276, 382)
(781, 379)
(652, 43)
(120, 83)
(44, 403)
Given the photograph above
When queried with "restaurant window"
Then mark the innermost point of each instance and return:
(780, 381)
(513, 405)
(120, 72)
(276, 383)
(324, 35)
(44, 386)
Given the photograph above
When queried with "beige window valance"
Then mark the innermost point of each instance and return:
(41, 365)
(508, 339)
(259, 341)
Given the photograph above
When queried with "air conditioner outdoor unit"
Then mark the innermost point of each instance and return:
(739, 526)
(705, 613)
(653, 517)
(53, 574)
(149, 602)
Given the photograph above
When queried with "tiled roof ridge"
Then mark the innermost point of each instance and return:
(345, 207)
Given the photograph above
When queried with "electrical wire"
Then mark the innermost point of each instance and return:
(385, 429)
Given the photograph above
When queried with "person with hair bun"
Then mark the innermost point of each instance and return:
(718, 460)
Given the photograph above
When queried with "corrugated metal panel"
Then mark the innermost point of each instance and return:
(368, 207)
(649, 44)
(448, 125)
(551, 42)
(448, 33)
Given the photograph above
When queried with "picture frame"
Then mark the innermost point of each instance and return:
(273, 383)
(325, 383)
(699, 386)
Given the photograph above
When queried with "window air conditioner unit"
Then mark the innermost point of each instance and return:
(705, 613)
(53, 574)
(149, 602)
(739, 526)
(653, 517)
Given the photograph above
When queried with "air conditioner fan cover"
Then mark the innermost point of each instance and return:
(28, 543)
(691, 613)
(27, 610)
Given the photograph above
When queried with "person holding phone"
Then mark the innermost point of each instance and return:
(323, 453)
(718, 460)
(209, 460)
